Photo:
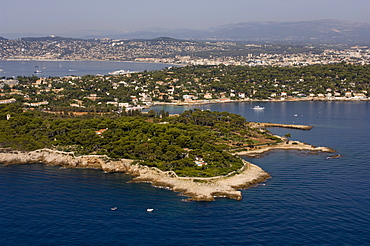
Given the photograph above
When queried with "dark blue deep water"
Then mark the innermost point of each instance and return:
(310, 200)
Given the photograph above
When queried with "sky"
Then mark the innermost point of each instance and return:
(119, 16)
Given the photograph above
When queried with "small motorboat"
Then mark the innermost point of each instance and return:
(258, 107)
(149, 210)
(114, 209)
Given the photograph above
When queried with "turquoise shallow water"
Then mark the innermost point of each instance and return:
(309, 200)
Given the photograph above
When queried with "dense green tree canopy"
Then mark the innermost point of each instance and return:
(173, 144)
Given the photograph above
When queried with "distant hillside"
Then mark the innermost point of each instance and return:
(49, 39)
(321, 31)
(318, 31)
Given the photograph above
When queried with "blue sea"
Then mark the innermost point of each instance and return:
(310, 200)
(77, 68)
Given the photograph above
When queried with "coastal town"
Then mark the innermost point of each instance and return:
(188, 85)
(182, 52)
(353, 55)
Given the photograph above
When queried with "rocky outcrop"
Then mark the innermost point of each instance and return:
(289, 145)
(65, 159)
(198, 189)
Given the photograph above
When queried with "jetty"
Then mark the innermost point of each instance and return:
(292, 126)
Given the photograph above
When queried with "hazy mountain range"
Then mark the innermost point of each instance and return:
(318, 31)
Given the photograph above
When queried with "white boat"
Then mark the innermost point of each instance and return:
(120, 72)
(114, 209)
(37, 71)
(258, 107)
(149, 210)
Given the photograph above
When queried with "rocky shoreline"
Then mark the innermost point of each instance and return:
(286, 145)
(197, 189)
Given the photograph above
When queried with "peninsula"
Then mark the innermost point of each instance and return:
(197, 189)
(194, 153)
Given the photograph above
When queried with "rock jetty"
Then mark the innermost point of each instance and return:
(293, 126)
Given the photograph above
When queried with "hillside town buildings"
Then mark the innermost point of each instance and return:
(82, 93)
(141, 89)
(172, 51)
